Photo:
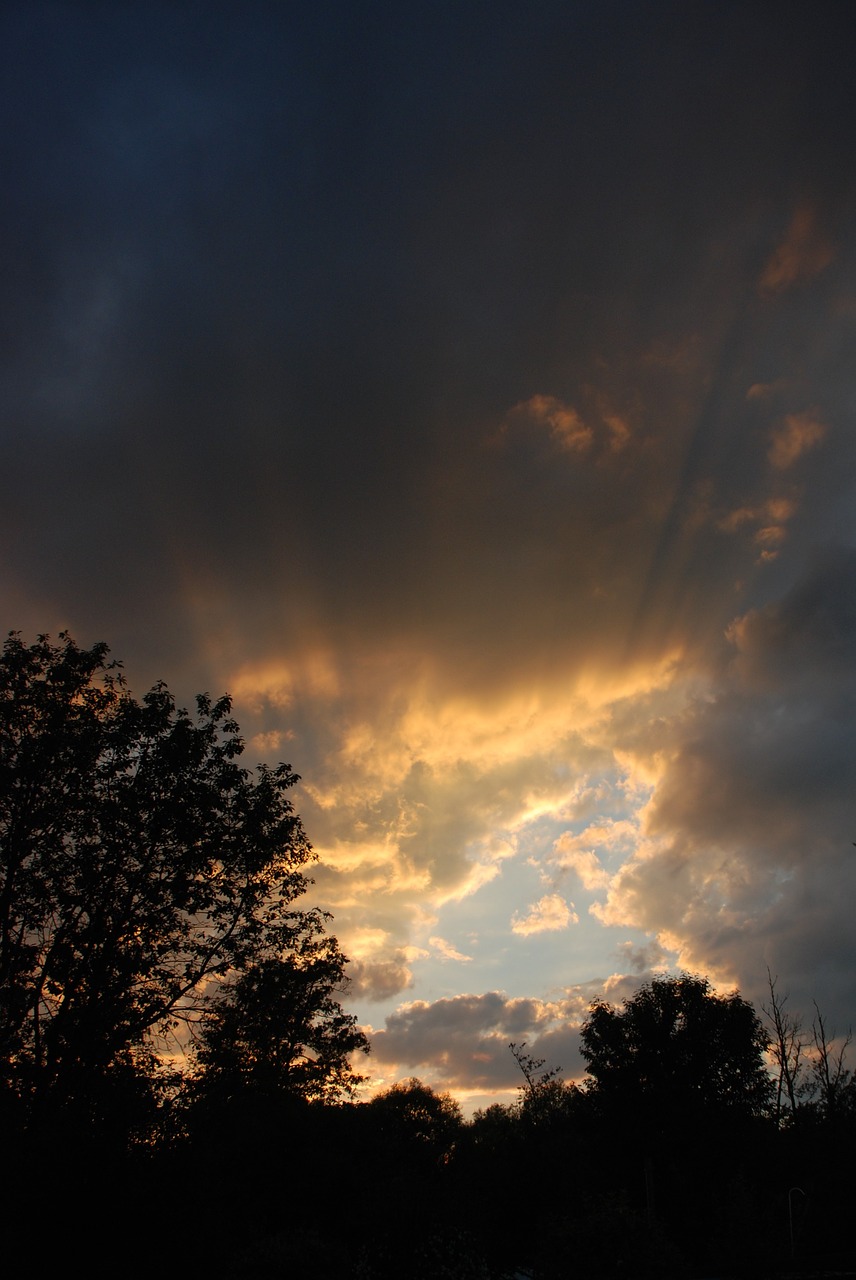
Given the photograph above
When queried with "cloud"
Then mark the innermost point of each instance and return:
(803, 644)
(801, 255)
(275, 683)
(550, 912)
(447, 951)
(574, 852)
(462, 1041)
(600, 426)
(377, 980)
(766, 390)
(270, 743)
(770, 519)
(747, 858)
(564, 422)
(796, 435)
(648, 959)
(431, 794)
(583, 861)
(778, 510)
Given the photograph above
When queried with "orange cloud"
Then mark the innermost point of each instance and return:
(565, 424)
(773, 535)
(773, 511)
(802, 254)
(793, 437)
(277, 682)
(619, 432)
(271, 742)
(771, 519)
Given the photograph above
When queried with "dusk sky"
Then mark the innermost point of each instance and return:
(469, 390)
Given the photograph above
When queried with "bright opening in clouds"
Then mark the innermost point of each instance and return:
(469, 392)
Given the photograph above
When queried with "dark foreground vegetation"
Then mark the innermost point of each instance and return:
(178, 1075)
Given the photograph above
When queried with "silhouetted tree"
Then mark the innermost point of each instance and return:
(411, 1115)
(545, 1099)
(279, 1027)
(812, 1071)
(787, 1047)
(680, 1087)
(831, 1085)
(140, 867)
(408, 1145)
(680, 1044)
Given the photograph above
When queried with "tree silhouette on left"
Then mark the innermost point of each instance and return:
(145, 878)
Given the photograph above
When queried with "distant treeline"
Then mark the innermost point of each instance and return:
(678, 1157)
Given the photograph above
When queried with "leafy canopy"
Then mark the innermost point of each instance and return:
(145, 877)
(679, 1044)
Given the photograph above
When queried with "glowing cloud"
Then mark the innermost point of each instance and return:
(550, 912)
(573, 853)
(774, 511)
(795, 436)
(565, 424)
(770, 519)
(275, 683)
(378, 980)
(446, 951)
(802, 254)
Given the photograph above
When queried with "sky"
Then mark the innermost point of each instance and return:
(467, 388)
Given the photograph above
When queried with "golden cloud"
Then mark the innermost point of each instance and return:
(420, 790)
(574, 852)
(269, 743)
(550, 912)
(314, 672)
(447, 951)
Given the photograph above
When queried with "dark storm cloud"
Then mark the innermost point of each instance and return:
(271, 282)
(751, 863)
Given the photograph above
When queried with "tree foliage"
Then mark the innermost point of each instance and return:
(145, 876)
(279, 1027)
(678, 1044)
(545, 1099)
(411, 1114)
(812, 1072)
(787, 1047)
